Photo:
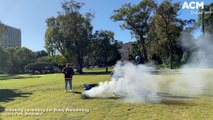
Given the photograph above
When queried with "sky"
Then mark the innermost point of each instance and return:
(30, 17)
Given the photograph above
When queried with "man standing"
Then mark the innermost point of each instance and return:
(68, 73)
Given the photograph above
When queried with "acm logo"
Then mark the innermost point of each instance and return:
(193, 5)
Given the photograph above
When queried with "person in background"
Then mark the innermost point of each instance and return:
(68, 73)
(139, 60)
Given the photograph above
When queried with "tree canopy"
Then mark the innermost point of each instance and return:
(70, 33)
(136, 18)
(168, 27)
(105, 48)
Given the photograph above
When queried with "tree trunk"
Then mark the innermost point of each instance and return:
(144, 51)
(171, 59)
(171, 54)
(79, 61)
(145, 54)
(79, 67)
(106, 69)
(106, 64)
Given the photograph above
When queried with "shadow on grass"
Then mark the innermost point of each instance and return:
(76, 92)
(96, 73)
(176, 102)
(101, 98)
(170, 99)
(164, 72)
(167, 95)
(208, 95)
(15, 76)
(7, 95)
(2, 109)
(165, 98)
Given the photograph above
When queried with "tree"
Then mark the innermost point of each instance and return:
(39, 54)
(36, 66)
(70, 33)
(105, 48)
(168, 27)
(54, 37)
(135, 49)
(188, 40)
(19, 57)
(57, 60)
(208, 18)
(136, 18)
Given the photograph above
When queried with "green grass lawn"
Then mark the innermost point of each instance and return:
(33, 92)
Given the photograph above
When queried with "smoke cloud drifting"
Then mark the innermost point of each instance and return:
(135, 83)
(194, 72)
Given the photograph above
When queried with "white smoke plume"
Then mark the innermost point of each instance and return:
(133, 82)
(136, 83)
(192, 80)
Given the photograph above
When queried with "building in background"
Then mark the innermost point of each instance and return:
(10, 36)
